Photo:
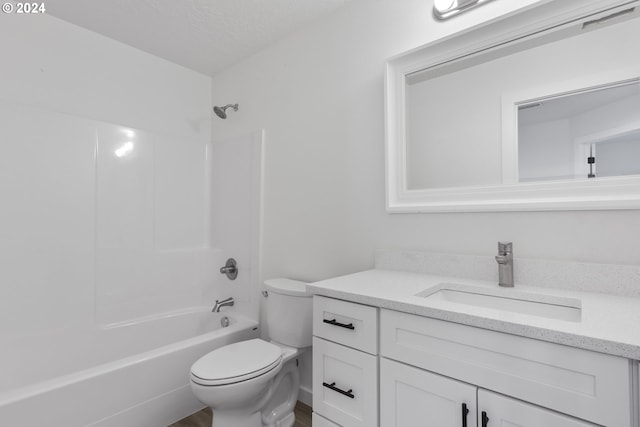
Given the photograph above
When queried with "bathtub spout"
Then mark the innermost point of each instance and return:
(219, 304)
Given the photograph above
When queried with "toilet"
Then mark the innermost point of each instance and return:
(255, 383)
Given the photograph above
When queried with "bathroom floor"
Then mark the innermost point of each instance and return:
(203, 418)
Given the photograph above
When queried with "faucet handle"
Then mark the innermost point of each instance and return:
(505, 247)
(230, 269)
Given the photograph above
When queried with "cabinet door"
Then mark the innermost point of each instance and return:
(502, 411)
(585, 384)
(411, 397)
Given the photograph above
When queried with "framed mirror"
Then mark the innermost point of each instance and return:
(535, 111)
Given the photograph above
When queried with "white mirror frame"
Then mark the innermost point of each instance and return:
(603, 193)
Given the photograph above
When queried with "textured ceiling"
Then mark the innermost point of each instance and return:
(204, 35)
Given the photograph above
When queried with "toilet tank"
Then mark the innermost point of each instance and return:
(289, 312)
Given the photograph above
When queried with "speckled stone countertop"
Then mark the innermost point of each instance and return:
(608, 324)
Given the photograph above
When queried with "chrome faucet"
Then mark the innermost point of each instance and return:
(505, 264)
(224, 303)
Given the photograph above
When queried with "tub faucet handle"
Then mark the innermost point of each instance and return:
(230, 269)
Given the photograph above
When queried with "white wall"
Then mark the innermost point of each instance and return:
(619, 157)
(319, 96)
(546, 151)
(89, 237)
(236, 215)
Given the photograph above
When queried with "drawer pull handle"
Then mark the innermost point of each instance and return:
(465, 412)
(336, 323)
(485, 419)
(333, 387)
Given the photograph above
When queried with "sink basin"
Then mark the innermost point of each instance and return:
(547, 306)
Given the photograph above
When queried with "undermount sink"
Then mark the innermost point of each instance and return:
(510, 300)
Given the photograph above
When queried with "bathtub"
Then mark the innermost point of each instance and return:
(130, 374)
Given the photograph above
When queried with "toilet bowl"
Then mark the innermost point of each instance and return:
(255, 383)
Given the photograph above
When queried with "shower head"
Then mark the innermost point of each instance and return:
(222, 111)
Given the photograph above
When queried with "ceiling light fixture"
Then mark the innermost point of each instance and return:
(445, 9)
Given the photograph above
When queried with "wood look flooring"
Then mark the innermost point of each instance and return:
(203, 418)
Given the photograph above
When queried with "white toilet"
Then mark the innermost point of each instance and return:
(255, 383)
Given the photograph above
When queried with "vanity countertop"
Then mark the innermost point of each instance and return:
(609, 324)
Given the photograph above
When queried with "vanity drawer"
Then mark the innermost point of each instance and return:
(354, 325)
(582, 383)
(345, 384)
(319, 421)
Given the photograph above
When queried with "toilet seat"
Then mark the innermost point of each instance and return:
(236, 362)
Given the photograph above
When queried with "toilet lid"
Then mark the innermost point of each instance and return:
(236, 362)
(289, 287)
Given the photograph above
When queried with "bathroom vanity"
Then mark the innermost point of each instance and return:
(394, 348)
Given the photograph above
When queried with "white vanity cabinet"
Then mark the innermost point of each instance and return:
(382, 367)
(345, 363)
(409, 395)
(562, 386)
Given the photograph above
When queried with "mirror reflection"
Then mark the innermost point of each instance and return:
(585, 135)
(454, 112)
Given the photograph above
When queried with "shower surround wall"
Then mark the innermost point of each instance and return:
(104, 177)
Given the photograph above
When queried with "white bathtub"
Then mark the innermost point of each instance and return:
(131, 374)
